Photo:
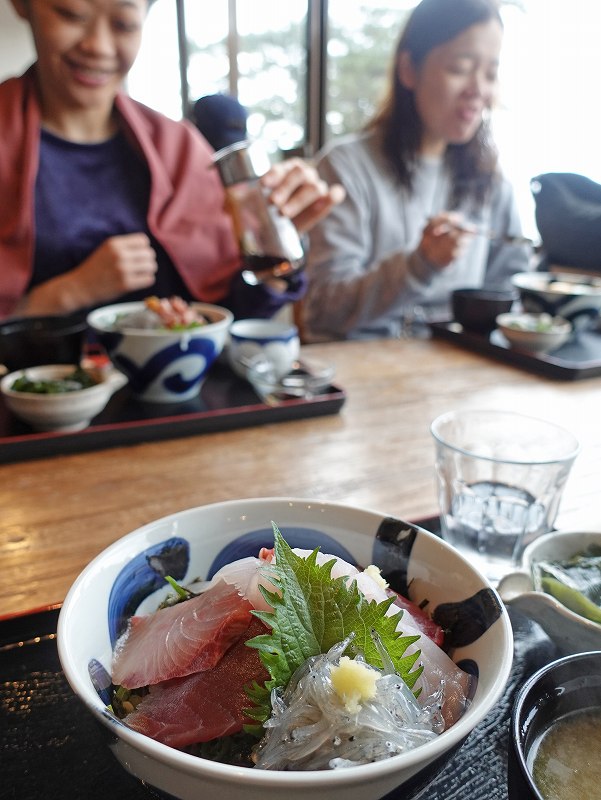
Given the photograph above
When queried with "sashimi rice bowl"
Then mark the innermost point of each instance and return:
(275, 647)
(165, 346)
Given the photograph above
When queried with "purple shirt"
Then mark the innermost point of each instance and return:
(84, 194)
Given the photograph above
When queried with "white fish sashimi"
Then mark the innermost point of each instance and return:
(441, 677)
(246, 574)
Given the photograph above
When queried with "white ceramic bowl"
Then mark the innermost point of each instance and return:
(197, 542)
(570, 632)
(163, 366)
(263, 342)
(68, 411)
(524, 331)
(572, 296)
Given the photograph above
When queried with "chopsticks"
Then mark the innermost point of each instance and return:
(493, 236)
(503, 237)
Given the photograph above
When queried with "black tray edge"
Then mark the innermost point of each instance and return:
(542, 365)
(97, 437)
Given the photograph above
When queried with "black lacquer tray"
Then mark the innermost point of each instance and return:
(225, 402)
(51, 748)
(578, 358)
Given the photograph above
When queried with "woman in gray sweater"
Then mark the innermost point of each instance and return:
(422, 186)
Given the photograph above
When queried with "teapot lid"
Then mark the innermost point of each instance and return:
(241, 161)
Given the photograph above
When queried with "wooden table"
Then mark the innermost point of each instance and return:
(58, 513)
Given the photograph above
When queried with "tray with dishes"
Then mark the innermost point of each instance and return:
(225, 402)
(578, 358)
(56, 747)
(140, 371)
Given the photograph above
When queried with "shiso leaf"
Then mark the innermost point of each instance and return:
(311, 613)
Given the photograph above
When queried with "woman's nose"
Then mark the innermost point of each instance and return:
(480, 86)
(98, 38)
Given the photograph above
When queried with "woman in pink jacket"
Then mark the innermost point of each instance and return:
(104, 199)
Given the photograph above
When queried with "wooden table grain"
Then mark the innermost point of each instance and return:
(58, 513)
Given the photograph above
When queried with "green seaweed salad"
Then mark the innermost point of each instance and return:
(72, 382)
(575, 582)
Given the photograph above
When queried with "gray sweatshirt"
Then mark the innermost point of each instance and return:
(365, 274)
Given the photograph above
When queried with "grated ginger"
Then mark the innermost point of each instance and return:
(353, 682)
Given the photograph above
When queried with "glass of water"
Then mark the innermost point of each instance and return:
(500, 480)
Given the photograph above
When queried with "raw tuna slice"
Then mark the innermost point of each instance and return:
(186, 638)
(206, 705)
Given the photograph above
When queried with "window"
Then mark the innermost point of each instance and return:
(298, 96)
(254, 50)
(361, 40)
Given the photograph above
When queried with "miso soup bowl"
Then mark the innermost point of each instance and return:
(163, 366)
(128, 577)
(37, 341)
(572, 683)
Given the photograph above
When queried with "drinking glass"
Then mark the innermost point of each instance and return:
(500, 479)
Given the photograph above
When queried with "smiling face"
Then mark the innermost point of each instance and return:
(454, 85)
(85, 49)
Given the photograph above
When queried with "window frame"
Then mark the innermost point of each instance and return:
(316, 73)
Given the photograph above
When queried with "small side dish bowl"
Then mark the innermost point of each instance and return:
(555, 729)
(477, 309)
(572, 296)
(63, 411)
(128, 578)
(163, 365)
(571, 632)
(536, 333)
(35, 341)
(270, 343)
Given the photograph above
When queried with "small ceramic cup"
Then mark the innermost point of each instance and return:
(263, 344)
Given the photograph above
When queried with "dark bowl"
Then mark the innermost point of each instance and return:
(36, 341)
(477, 309)
(569, 684)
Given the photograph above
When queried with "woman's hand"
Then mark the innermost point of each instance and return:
(299, 192)
(445, 238)
(120, 264)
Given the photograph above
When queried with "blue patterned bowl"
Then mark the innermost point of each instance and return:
(163, 366)
(128, 578)
(263, 341)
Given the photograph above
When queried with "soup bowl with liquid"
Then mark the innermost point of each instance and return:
(556, 732)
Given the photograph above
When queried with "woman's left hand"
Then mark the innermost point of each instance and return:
(299, 192)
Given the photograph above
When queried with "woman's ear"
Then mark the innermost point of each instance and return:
(406, 70)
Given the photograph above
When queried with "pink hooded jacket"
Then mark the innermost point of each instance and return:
(186, 207)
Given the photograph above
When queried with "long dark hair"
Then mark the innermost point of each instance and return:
(472, 165)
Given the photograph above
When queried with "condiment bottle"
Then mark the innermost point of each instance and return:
(269, 242)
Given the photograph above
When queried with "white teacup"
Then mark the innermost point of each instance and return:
(263, 343)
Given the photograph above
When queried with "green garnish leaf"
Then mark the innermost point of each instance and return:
(311, 613)
(181, 592)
